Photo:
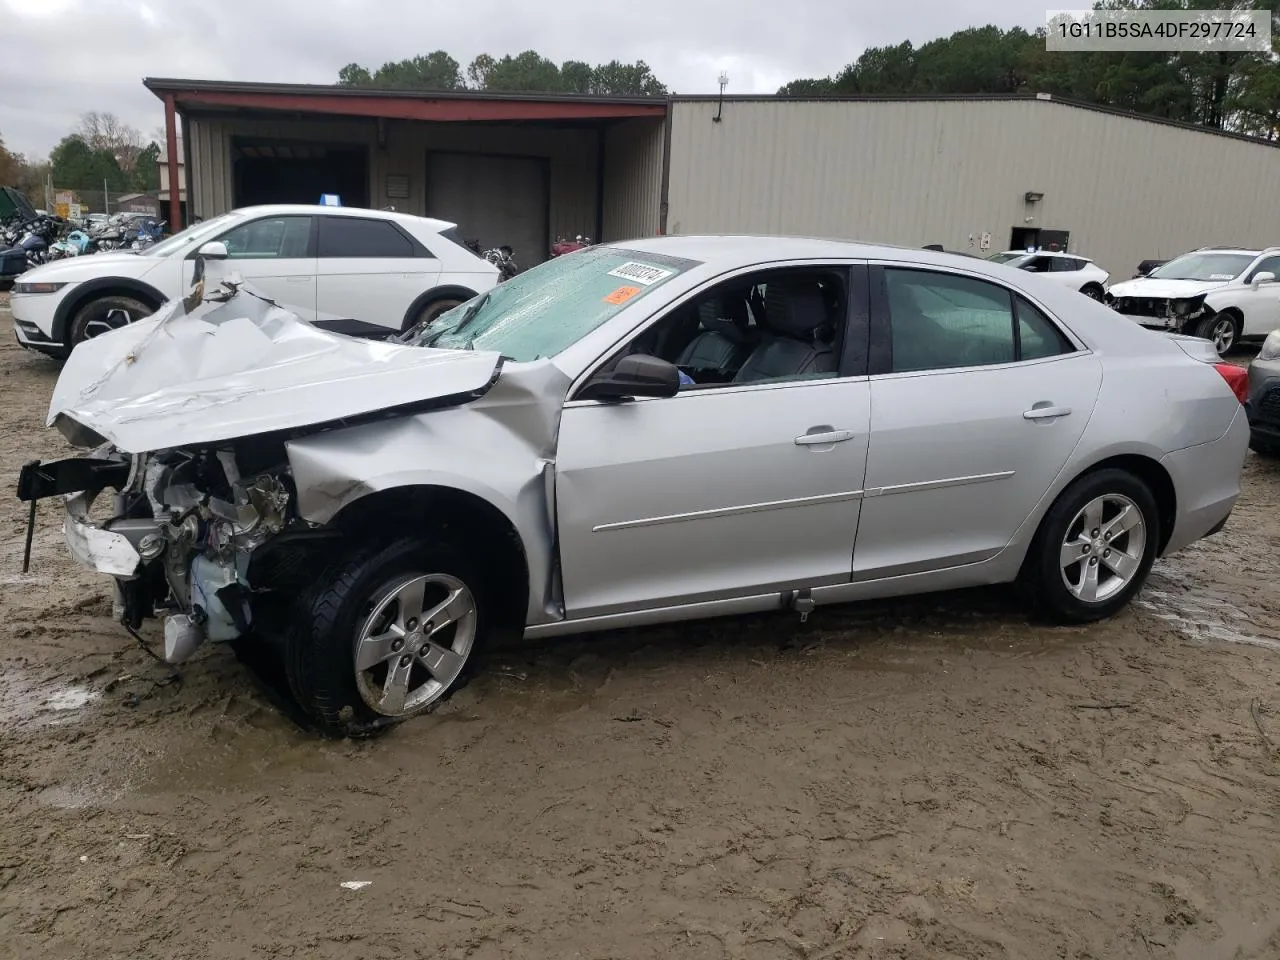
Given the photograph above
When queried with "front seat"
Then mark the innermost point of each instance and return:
(725, 341)
(799, 341)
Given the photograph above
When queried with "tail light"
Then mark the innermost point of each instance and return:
(1237, 379)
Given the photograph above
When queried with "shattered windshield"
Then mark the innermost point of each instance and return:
(548, 308)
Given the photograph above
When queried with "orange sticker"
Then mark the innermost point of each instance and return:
(622, 295)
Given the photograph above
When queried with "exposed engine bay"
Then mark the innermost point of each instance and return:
(194, 520)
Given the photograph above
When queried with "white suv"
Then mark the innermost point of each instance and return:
(1223, 294)
(351, 270)
(1067, 269)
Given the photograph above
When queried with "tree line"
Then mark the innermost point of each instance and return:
(525, 72)
(101, 150)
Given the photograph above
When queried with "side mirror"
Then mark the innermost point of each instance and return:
(638, 375)
(1260, 278)
(213, 250)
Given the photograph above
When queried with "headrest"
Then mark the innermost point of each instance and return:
(725, 315)
(795, 308)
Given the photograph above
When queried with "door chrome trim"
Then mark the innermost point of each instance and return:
(717, 512)
(925, 485)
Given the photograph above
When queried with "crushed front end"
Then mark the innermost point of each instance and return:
(184, 538)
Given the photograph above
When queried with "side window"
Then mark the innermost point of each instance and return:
(353, 237)
(272, 238)
(1038, 336)
(942, 320)
(1038, 265)
(1065, 264)
(1269, 265)
(774, 325)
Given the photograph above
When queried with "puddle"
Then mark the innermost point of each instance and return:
(1199, 614)
(24, 700)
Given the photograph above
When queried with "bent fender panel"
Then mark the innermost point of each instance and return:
(500, 448)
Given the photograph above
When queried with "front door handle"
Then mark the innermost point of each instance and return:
(830, 436)
(1045, 411)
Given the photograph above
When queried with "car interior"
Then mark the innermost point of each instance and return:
(775, 325)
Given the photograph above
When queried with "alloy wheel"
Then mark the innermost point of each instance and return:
(1103, 548)
(414, 643)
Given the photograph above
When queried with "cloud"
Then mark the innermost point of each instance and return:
(69, 56)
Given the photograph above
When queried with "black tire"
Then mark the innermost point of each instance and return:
(89, 319)
(320, 646)
(1209, 329)
(433, 310)
(1042, 582)
(1264, 449)
(1093, 292)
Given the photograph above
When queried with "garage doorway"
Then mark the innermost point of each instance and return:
(293, 172)
(494, 199)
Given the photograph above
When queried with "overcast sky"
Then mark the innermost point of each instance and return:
(63, 57)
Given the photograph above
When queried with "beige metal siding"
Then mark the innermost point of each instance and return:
(632, 179)
(917, 172)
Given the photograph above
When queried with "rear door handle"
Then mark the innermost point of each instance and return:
(831, 436)
(1046, 411)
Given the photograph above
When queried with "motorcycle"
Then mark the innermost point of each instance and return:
(563, 246)
(502, 258)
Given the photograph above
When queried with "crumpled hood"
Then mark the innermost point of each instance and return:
(1164, 289)
(246, 367)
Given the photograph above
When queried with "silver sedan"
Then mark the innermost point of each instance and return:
(656, 430)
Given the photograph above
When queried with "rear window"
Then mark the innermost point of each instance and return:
(550, 307)
(353, 237)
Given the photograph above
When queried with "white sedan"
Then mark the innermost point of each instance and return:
(351, 270)
(1069, 269)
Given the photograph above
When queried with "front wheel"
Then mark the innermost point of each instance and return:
(1222, 329)
(104, 315)
(387, 636)
(1094, 549)
(1093, 292)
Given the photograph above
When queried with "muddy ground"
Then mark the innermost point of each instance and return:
(930, 778)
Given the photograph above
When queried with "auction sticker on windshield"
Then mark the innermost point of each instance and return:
(621, 295)
(641, 273)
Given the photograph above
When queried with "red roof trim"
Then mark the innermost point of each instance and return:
(426, 108)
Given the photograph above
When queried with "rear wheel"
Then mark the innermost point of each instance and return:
(433, 310)
(104, 315)
(386, 636)
(1093, 291)
(1094, 548)
(1223, 329)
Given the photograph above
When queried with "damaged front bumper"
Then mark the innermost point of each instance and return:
(171, 551)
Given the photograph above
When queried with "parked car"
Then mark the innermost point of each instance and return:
(1223, 294)
(1069, 269)
(355, 271)
(1263, 406)
(860, 422)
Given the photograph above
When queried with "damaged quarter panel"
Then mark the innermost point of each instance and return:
(500, 448)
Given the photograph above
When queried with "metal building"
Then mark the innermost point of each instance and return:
(980, 174)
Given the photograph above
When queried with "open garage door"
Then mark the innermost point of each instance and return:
(494, 200)
(286, 172)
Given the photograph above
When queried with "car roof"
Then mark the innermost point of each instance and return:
(1048, 253)
(313, 209)
(730, 251)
